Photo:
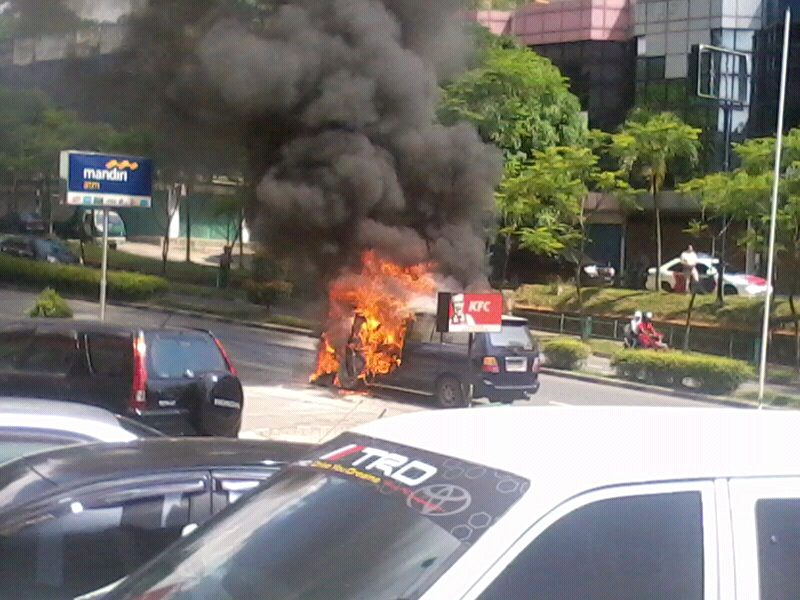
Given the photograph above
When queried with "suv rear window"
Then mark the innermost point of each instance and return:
(171, 355)
(512, 335)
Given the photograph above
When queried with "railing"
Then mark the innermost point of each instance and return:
(720, 341)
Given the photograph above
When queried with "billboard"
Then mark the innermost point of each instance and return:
(470, 313)
(106, 180)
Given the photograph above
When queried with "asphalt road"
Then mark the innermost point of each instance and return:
(274, 368)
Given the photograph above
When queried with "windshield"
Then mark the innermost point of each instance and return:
(326, 530)
(172, 354)
(512, 336)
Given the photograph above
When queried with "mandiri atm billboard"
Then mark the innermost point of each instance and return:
(107, 180)
(471, 313)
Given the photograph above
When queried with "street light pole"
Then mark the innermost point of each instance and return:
(774, 209)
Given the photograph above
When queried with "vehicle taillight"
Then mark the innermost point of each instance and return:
(490, 365)
(138, 399)
(536, 364)
(228, 363)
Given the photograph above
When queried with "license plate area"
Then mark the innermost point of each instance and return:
(516, 364)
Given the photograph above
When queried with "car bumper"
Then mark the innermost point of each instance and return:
(177, 423)
(486, 388)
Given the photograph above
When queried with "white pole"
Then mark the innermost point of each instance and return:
(104, 267)
(774, 210)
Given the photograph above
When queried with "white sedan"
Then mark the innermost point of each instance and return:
(673, 279)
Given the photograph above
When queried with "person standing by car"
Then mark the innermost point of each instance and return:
(689, 263)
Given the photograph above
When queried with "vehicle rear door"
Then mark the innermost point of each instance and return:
(417, 370)
(515, 351)
(83, 539)
(765, 515)
(109, 369)
(175, 361)
(49, 366)
(14, 341)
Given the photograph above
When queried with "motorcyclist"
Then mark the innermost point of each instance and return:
(648, 336)
(632, 330)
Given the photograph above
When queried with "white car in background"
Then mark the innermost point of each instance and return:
(736, 284)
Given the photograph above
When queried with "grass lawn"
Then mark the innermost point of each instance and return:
(741, 313)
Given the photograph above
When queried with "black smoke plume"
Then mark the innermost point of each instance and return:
(335, 103)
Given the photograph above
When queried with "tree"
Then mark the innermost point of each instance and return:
(745, 194)
(648, 150)
(520, 102)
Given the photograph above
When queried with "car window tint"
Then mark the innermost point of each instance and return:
(171, 355)
(421, 328)
(676, 267)
(110, 355)
(80, 548)
(702, 269)
(19, 441)
(49, 353)
(778, 526)
(634, 548)
(13, 344)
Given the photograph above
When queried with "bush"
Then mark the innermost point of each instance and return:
(565, 353)
(50, 304)
(83, 281)
(710, 374)
(266, 293)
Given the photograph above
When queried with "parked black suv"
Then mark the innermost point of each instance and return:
(502, 366)
(179, 381)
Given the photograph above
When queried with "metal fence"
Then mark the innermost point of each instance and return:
(732, 343)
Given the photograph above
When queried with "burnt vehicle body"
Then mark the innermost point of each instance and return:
(179, 381)
(454, 368)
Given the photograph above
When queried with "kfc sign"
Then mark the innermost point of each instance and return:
(471, 313)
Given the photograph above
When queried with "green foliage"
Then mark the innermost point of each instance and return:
(565, 353)
(50, 304)
(266, 293)
(710, 374)
(83, 281)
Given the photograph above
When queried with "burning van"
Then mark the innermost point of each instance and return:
(385, 331)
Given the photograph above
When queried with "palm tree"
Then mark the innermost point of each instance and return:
(648, 149)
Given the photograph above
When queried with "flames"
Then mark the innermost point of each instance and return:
(369, 315)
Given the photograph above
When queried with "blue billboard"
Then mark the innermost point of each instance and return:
(103, 180)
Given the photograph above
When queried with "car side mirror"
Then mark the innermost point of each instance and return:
(188, 528)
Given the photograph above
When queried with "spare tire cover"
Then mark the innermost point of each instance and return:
(220, 404)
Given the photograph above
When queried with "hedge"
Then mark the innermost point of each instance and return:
(710, 374)
(266, 293)
(565, 353)
(83, 281)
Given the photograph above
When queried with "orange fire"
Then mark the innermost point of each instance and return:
(374, 306)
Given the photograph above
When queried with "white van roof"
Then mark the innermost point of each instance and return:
(571, 449)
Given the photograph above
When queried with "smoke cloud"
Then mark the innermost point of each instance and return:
(335, 102)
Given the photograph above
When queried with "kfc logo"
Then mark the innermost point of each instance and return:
(470, 313)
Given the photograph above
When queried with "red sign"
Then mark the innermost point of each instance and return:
(473, 313)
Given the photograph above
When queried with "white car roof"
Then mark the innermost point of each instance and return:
(90, 421)
(570, 449)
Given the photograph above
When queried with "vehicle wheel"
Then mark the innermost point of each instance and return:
(666, 287)
(350, 369)
(449, 393)
(220, 403)
(730, 290)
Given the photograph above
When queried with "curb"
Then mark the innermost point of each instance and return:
(643, 387)
(220, 318)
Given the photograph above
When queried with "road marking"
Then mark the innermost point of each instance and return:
(554, 403)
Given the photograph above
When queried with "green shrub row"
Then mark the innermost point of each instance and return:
(75, 279)
(710, 374)
(565, 353)
(266, 293)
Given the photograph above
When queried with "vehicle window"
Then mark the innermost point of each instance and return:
(677, 267)
(73, 549)
(335, 528)
(633, 548)
(778, 527)
(171, 355)
(459, 338)
(421, 328)
(49, 353)
(13, 344)
(512, 336)
(110, 355)
(19, 441)
(702, 269)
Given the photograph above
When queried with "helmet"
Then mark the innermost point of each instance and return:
(637, 314)
(648, 316)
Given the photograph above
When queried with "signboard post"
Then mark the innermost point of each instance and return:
(106, 181)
